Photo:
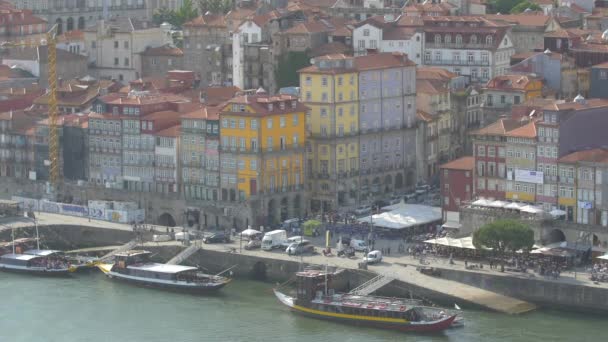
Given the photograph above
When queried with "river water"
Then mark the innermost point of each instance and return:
(91, 308)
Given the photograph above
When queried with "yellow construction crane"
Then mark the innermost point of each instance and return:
(51, 43)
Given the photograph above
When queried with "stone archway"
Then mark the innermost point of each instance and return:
(59, 23)
(258, 271)
(81, 23)
(284, 209)
(398, 181)
(272, 208)
(167, 220)
(410, 179)
(388, 183)
(69, 24)
(297, 206)
(554, 236)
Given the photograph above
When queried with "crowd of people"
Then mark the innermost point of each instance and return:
(599, 272)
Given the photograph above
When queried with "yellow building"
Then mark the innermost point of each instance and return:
(521, 164)
(506, 90)
(262, 141)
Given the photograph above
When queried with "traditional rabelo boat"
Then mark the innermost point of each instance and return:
(36, 261)
(135, 267)
(315, 298)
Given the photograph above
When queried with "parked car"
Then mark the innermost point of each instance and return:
(395, 199)
(363, 210)
(294, 239)
(301, 247)
(378, 204)
(217, 238)
(410, 197)
(358, 245)
(253, 244)
(373, 257)
(422, 189)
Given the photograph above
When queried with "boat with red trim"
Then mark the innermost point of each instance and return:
(316, 299)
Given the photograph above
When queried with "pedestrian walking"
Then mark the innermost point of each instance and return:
(388, 251)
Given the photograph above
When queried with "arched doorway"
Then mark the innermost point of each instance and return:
(554, 236)
(409, 179)
(284, 209)
(167, 220)
(297, 206)
(59, 23)
(398, 181)
(69, 24)
(81, 23)
(388, 183)
(272, 207)
(376, 185)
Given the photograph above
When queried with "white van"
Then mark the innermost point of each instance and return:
(373, 257)
(274, 239)
(358, 245)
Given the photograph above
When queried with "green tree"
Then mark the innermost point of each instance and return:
(522, 6)
(502, 6)
(176, 18)
(504, 235)
(286, 73)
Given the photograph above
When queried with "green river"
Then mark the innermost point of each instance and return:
(90, 308)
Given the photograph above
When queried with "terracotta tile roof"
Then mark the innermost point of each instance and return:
(464, 163)
(216, 95)
(577, 9)
(116, 98)
(205, 112)
(209, 20)
(78, 93)
(378, 61)
(600, 66)
(524, 55)
(124, 24)
(535, 19)
(318, 25)
(589, 103)
(431, 87)
(434, 73)
(510, 82)
(500, 127)
(259, 103)
(409, 21)
(568, 33)
(526, 131)
(170, 132)
(70, 36)
(596, 155)
(444, 8)
(398, 33)
(424, 116)
(165, 50)
(343, 31)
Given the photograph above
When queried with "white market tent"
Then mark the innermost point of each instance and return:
(466, 242)
(557, 212)
(497, 204)
(603, 257)
(401, 215)
(514, 206)
(482, 202)
(531, 209)
(249, 233)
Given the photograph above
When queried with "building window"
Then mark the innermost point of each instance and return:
(116, 62)
(324, 81)
(269, 123)
(126, 45)
(458, 39)
(365, 33)
(473, 39)
(437, 39)
(488, 40)
(116, 44)
(448, 38)
(254, 124)
(126, 62)
(361, 44)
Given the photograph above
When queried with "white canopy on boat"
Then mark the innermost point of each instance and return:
(482, 202)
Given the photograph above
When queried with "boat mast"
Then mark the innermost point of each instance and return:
(13, 236)
(325, 279)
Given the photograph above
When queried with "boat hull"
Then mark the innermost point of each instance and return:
(37, 271)
(376, 322)
(168, 286)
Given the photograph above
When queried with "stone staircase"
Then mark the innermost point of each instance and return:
(183, 255)
(128, 246)
(372, 285)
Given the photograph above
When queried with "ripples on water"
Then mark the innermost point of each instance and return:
(93, 309)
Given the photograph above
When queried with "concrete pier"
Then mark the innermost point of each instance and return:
(504, 292)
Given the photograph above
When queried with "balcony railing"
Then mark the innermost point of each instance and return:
(456, 62)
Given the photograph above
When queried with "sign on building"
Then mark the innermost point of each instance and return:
(529, 176)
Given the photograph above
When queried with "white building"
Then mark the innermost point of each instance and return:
(249, 32)
(388, 34)
(114, 46)
(469, 46)
(166, 152)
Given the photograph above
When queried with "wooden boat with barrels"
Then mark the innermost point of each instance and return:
(42, 262)
(316, 299)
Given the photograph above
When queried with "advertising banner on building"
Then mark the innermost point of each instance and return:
(50, 207)
(529, 176)
(97, 213)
